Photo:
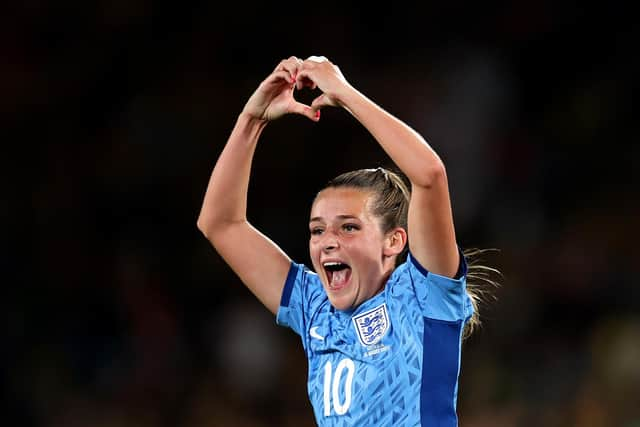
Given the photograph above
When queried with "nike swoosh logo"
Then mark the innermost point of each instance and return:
(314, 333)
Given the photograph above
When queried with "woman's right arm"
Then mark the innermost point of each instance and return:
(259, 262)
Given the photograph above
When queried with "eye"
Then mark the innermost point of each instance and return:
(316, 231)
(350, 228)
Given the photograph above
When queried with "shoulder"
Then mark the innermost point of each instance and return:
(411, 269)
(302, 283)
(436, 296)
(302, 295)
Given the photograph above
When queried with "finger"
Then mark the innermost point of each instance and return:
(313, 62)
(291, 65)
(320, 102)
(305, 110)
(314, 58)
(300, 79)
(280, 65)
(304, 80)
(279, 77)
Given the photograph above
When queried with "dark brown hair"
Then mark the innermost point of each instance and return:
(391, 205)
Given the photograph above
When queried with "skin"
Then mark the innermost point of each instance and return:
(259, 262)
(343, 229)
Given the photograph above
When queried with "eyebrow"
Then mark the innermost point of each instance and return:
(319, 218)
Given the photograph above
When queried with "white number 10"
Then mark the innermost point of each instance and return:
(332, 383)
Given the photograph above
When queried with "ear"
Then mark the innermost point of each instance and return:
(395, 242)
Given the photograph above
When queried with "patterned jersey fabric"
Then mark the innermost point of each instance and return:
(394, 360)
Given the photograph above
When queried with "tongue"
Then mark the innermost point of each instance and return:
(340, 277)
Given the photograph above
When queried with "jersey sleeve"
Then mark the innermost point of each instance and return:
(441, 297)
(302, 291)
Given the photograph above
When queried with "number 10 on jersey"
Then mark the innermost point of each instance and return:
(332, 380)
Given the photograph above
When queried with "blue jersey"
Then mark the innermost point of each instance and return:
(394, 360)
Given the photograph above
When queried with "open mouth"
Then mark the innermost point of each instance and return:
(338, 274)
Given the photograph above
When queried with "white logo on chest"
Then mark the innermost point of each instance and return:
(372, 325)
(313, 332)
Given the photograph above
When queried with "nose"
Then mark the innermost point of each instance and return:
(329, 248)
(330, 242)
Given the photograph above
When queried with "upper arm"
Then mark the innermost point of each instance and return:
(258, 261)
(432, 238)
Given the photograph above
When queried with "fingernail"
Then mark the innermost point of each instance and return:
(318, 114)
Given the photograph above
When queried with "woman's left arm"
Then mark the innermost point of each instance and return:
(432, 239)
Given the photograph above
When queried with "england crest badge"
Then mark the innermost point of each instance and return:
(372, 325)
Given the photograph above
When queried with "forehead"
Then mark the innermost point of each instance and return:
(332, 202)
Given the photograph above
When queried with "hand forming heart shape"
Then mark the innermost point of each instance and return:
(275, 95)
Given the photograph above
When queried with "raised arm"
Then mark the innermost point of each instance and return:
(260, 263)
(432, 239)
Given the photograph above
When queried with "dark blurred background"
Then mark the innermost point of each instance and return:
(117, 312)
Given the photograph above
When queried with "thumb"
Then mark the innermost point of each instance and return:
(305, 110)
(322, 101)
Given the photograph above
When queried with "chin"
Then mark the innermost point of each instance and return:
(341, 303)
(341, 307)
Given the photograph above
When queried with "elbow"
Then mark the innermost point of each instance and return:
(214, 229)
(206, 227)
(202, 226)
(433, 175)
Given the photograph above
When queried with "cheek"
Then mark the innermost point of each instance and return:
(369, 249)
(313, 250)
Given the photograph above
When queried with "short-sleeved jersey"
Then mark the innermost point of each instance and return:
(394, 360)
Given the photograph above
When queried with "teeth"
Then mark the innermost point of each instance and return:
(329, 264)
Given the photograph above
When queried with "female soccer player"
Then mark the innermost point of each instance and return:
(382, 337)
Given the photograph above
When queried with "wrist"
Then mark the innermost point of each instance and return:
(249, 120)
(346, 96)
(249, 127)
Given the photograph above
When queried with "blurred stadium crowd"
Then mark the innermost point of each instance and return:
(116, 312)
